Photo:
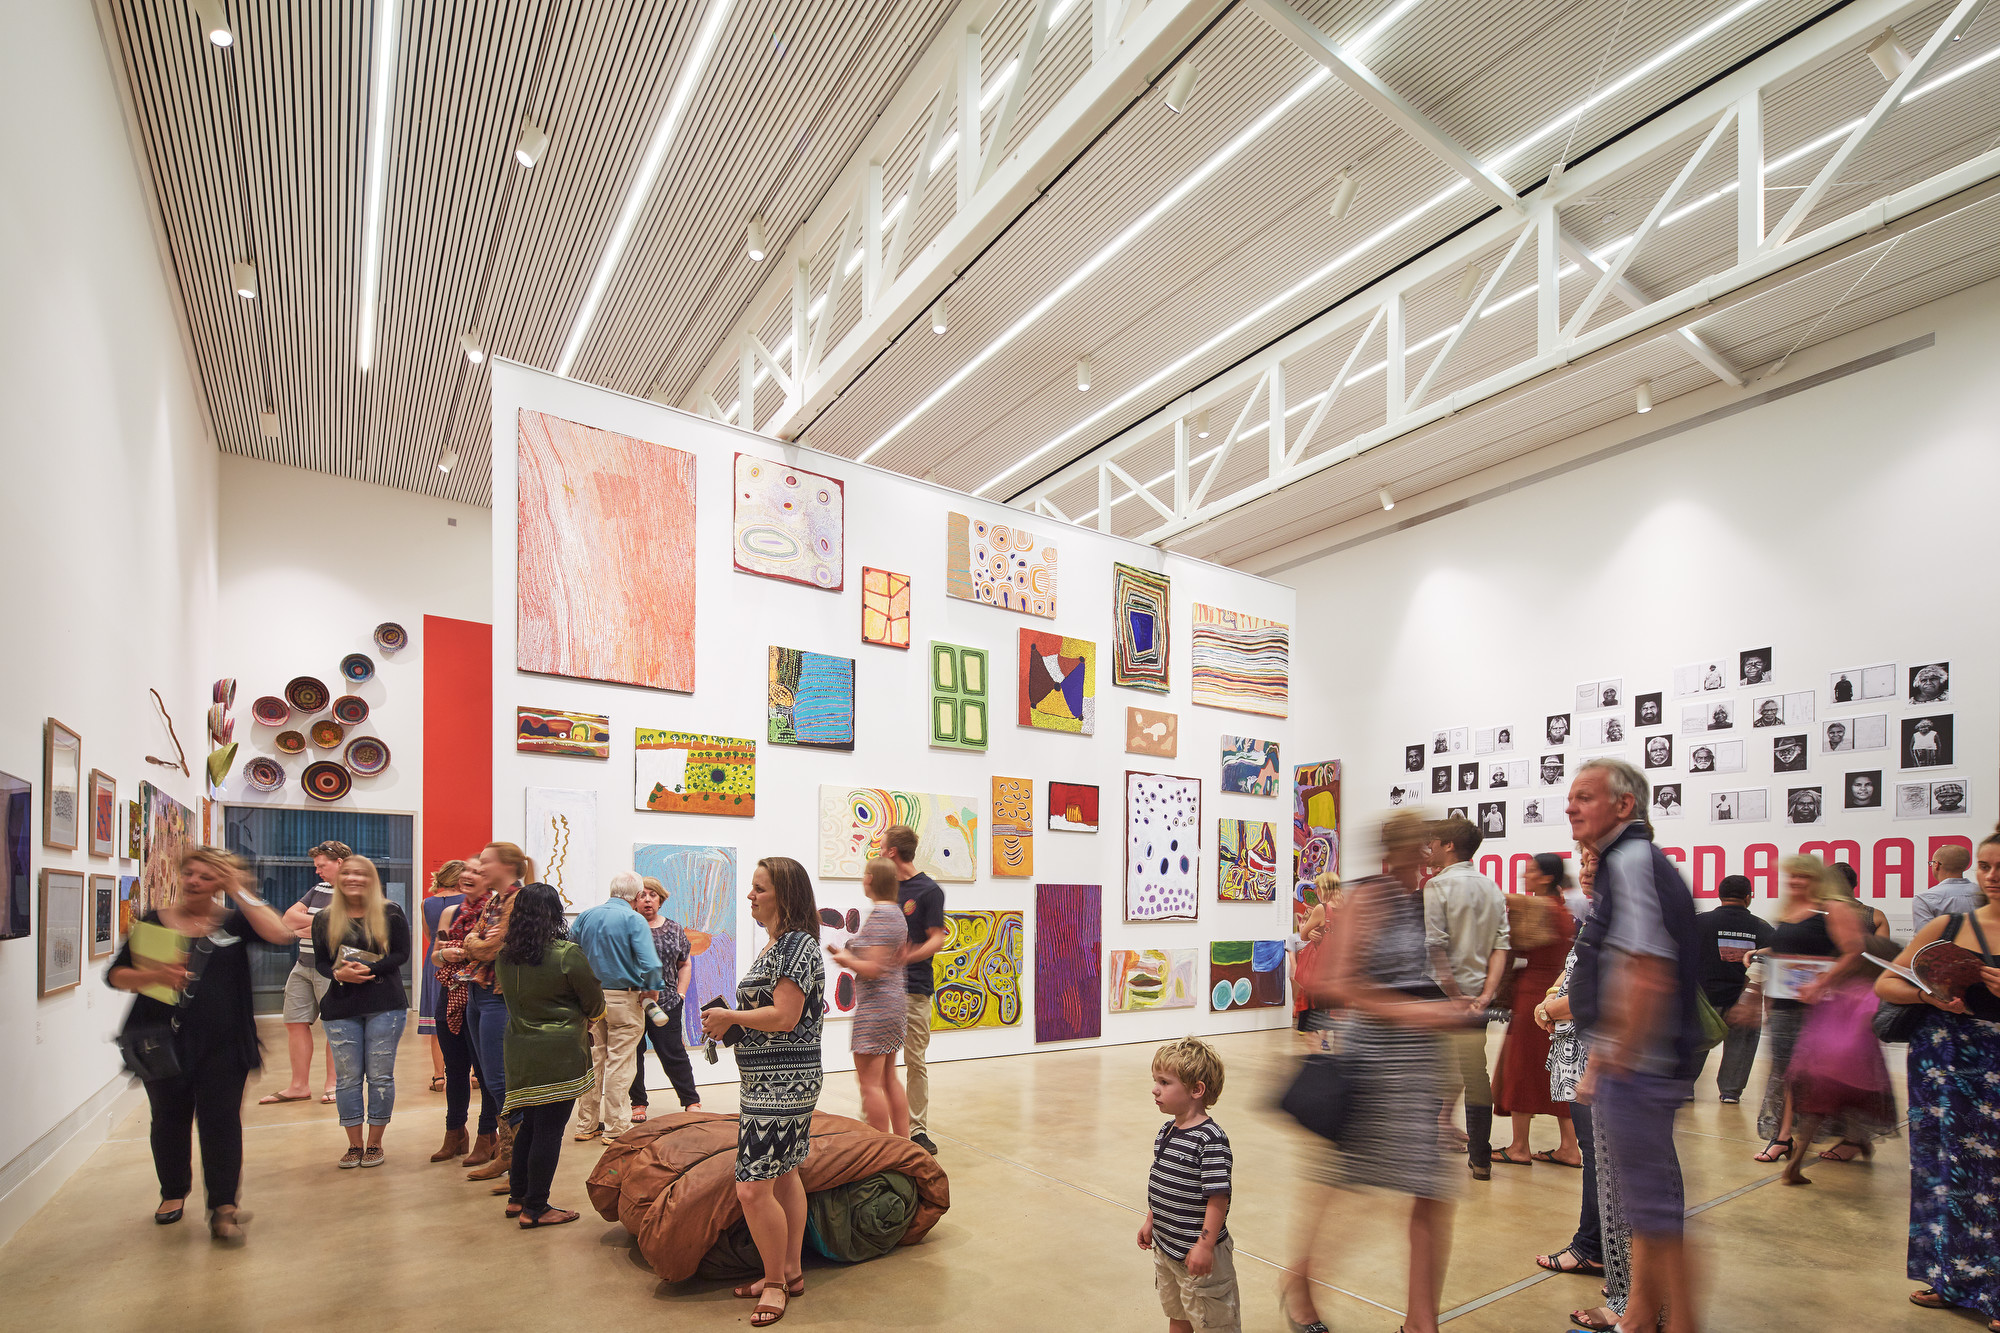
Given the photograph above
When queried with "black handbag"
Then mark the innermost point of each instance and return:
(148, 1049)
(1321, 1096)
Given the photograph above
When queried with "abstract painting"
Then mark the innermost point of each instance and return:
(562, 839)
(1072, 807)
(62, 931)
(103, 915)
(958, 696)
(128, 907)
(977, 972)
(1240, 661)
(1069, 969)
(852, 821)
(1157, 734)
(789, 523)
(1013, 828)
(1246, 861)
(17, 835)
(1058, 683)
(135, 820)
(1315, 831)
(552, 731)
(812, 699)
(1143, 979)
(607, 557)
(62, 786)
(841, 911)
(1162, 847)
(1250, 766)
(885, 608)
(701, 897)
(1139, 604)
(680, 773)
(1246, 974)
(169, 833)
(103, 810)
(1000, 565)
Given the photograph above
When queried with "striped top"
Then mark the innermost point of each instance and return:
(1189, 1165)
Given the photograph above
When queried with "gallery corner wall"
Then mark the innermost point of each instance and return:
(1840, 527)
(900, 524)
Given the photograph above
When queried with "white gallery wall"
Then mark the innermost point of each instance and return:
(897, 523)
(1841, 527)
(108, 516)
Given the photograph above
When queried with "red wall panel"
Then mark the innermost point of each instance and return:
(458, 739)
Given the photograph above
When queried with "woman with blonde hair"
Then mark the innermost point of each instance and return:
(362, 943)
(192, 1006)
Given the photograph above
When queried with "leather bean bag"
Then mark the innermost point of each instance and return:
(671, 1182)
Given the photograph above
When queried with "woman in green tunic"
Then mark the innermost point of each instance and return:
(552, 999)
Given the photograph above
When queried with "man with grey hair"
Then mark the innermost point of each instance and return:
(619, 948)
(1634, 990)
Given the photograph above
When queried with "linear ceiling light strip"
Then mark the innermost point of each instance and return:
(381, 102)
(642, 184)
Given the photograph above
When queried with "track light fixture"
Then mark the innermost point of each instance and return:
(267, 424)
(756, 240)
(243, 276)
(1201, 425)
(1343, 196)
(1645, 396)
(1182, 88)
(530, 143)
(1888, 54)
(1388, 500)
(475, 350)
(938, 324)
(214, 21)
(1083, 375)
(447, 460)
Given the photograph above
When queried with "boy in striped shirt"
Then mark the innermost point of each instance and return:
(1187, 1195)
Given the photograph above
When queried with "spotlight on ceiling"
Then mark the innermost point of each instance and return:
(1388, 500)
(1645, 396)
(938, 324)
(1468, 283)
(1343, 196)
(214, 21)
(243, 276)
(1201, 425)
(1083, 375)
(530, 143)
(1182, 88)
(756, 240)
(447, 460)
(475, 350)
(267, 423)
(1888, 54)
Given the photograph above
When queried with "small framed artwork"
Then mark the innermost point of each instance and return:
(134, 822)
(103, 814)
(17, 836)
(1072, 807)
(61, 961)
(103, 915)
(62, 786)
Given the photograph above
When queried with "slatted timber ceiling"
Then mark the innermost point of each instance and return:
(276, 128)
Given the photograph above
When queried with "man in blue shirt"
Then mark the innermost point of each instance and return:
(614, 938)
(1953, 892)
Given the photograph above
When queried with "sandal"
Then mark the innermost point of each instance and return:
(1931, 1300)
(1853, 1150)
(1588, 1319)
(437, 1082)
(325, 1098)
(1549, 1155)
(276, 1097)
(1777, 1150)
(793, 1287)
(553, 1217)
(766, 1315)
(1554, 1263)
(638, 1115)
(1506, 1157)
(513, 1208)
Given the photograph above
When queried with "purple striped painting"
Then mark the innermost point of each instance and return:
(1069, 961)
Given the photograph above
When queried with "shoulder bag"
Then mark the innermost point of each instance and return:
(148, 1049)
(1320, 1096)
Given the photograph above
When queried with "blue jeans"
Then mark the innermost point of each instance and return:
(367, 1042)
(486, 1011)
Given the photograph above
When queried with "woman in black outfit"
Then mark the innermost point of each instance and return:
(214, 1033)
(677, 967)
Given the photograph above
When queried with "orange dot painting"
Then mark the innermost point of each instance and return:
(885, 608)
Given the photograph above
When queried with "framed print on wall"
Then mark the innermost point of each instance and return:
(62, 785)
(17, 824)
(61, 961)
(103, 808)
(103, 915)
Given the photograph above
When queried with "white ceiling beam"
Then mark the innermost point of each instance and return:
(1633, 298)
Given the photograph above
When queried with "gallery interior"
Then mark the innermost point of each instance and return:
(668, 435)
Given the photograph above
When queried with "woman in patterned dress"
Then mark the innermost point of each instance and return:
(1955, 1112)
(875, 956)
(779, 1007)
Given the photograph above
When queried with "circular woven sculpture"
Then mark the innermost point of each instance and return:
(389, 636)
(291, 742)
(326, 780)
(271, 711)
(350, 710)
(264, 774)
(357, 667)
(326, 733)
(308, 694)
(367, 756)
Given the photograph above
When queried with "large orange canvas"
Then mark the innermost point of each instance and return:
(606, 559)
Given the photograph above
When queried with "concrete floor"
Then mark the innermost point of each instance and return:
(1047, 1156)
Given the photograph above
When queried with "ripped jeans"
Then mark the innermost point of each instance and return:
(365, 1045)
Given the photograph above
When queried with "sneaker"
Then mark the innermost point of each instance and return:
(923, 1140)
(350, 1160)
(372, 1157)
(1730, 1101)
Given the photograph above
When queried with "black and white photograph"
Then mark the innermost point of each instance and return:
(1913, 800)
(1659, 751)
(1803, 805)
(1441, 743)
(1788, 754)
(1647, 710)
(1782, 710)
(1493, 819)
(1753, 666)
(1715, 757)
(1441, 780)
(1869, 731)
(1927, 741)
(1550, 771)
(1862, 790)
(1930, 683)
(1858, 683)
(1468, 775)
(1595, 694)
(1667, 801)
(1599, 732)
(1458, 812)
(1413, 758)
(1701, 759)
(1708, 715)
(1492, 740)
(1512, 773)
(1556, 729)
(1405, 794)
(1948, 798)
(1452, 741)
(1752, 806)
(1538, 811)
(1699, 678)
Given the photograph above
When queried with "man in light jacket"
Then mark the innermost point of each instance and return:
(614, 938)
(1465, 926)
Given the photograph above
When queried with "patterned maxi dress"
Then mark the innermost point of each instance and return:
(1955, 1160)
(780, 1071)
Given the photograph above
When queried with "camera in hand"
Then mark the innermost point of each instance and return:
(657, 1016)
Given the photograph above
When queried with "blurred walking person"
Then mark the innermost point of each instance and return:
(1465, 930)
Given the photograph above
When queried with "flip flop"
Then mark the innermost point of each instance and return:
(325, 1098)
(1584, 1319)
(1549, 1155)
(1502, 1156)
(1930, 1300)
(277, 1097)
(554, 1217)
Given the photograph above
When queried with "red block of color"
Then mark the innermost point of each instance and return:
(458, 740)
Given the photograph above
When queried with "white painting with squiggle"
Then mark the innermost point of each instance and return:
(562, 839)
